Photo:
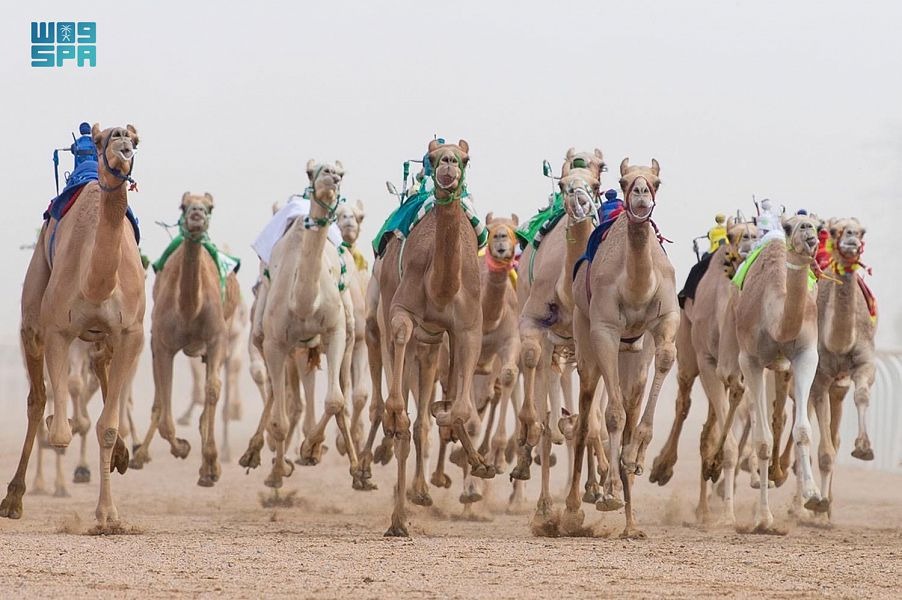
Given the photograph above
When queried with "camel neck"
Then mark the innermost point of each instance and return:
(189, 280)
(444, 283)
(102, 274)
(841, 313)
(640, 281)
(494, 298)
(795, 269)
(576, 236)
(309, 267)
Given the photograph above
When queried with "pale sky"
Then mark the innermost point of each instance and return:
(796, 101)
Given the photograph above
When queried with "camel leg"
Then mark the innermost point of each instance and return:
(507, 379)
(114, 371)
(83, 389)
(361, 387)
(276, 356)
(781, 383)
(863, 377)
(396, 421)
(56, 353)
(804, 368)
(588, 379)
(251, 457)
(227, 409)
(763, 436)
(556, 401)
(427, 366)
(826, 454)
(294, 398)
(338, 367)
(726, 454)
(197, 389)
(687, 371)
(529, 431)
(210, 469)
(377, 405)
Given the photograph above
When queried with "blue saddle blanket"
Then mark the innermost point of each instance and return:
(85, 173)
(610, 211)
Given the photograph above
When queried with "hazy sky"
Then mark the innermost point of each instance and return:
(796, 101)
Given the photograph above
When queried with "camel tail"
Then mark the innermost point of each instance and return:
(552, 316)
(314, 357)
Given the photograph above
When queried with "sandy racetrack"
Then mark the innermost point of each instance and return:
(221, 541)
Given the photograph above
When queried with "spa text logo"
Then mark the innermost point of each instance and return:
(53, 44)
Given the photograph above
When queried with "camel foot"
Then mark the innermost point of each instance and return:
(470, 497)
(593, 493)
(712, 467)
(119, 461)
(384, 451)
(572, 523)
(440, 480)
(82, 475)
(139, 458)
(396, 531)
(631, 533)
(251, 457)
(817, 504)
(609, 503)
(11, 506)
(62, 438)
(274, 479)
(545, 522)
(756, 484)
(863, 449)
(311, 453)
(458, 457)
(209, 474)
(661, 470)
(419, 497)
(524, 461)
(61, 492)
(482, 470)
(777, 475)
(205, 481)
(180, 448)
(362, 484)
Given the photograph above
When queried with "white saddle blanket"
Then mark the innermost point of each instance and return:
(296, 207)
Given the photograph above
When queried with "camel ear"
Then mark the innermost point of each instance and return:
(184, 197)
(133, 134)
(358, 210)
(515, 219)
(571, 152)
(310, 164)
(95, 134)
(624, 165)
(655, 167)
(599, 155)
(340, 167)
(787, 228)
(489, 217)
(463, 145)
(433, 145)
(275, 207)
(209, 197)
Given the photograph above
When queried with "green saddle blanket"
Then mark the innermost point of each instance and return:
(226, 263)
(743, 269)
(543, 222)
(415, 208)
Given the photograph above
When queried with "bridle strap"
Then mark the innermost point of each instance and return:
(627, 202)
(114, 171)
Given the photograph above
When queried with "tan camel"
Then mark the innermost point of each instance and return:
(697, 346)
(435, 290)
(191, 314)
(625, 300)
(94, 290)
(305, 306)
(349, 217)
(845, 348)
(775, 317)
(496, 370)
(546, 308)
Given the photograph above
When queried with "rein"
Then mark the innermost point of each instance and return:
(633, 217)
(123, 177)
(331, 210)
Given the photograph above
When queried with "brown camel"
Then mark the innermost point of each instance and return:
(191, 313)
(697, 346)
(435, 290)
(546, 308)
(93, 290)
(305, 307)
(845, 348)
(775, 317)
(625, 300)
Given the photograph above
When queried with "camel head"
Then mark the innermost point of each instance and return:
(848, 239)
(116, 147)
(640, 186)
(742, 237)
(325, 181)
(502, 237)
(580, 183)
(195, 219)
(801, 235)
(349, 218)
(448, 162)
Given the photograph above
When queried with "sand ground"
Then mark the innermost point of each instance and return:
(193, 541)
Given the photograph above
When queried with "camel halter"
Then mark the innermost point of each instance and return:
(331, 210)
(193, 236)
(454, 194)
(501, 265)
(123, 177)
(590, 197)
(627, 202)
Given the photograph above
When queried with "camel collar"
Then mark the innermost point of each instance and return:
(315, 224)
(122, 177)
